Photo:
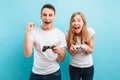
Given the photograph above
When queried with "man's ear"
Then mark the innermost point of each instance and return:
(40, 16)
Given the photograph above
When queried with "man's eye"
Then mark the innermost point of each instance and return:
(50, 15)
(44, 15)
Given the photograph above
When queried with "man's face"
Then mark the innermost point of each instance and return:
(47, 16)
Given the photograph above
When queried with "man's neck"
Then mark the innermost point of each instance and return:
(47, 28)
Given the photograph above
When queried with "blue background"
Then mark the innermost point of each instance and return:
(102, 15)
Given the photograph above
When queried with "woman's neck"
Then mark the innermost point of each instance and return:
(78, 34)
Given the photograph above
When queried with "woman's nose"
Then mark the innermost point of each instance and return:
(76, 22)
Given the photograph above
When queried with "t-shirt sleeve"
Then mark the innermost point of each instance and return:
(91, 32)
(66, 35)
(62, 39)
(32, 35)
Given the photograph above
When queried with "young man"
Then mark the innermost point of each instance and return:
(48, 43)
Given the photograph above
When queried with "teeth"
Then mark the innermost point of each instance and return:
(76, 26)
(47, 22)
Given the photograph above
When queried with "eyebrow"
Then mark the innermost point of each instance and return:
(46, 13)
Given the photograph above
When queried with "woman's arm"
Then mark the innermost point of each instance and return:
(89, 48)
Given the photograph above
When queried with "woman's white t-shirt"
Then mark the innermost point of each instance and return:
(81, 59)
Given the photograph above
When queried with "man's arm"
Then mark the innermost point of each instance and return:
(61, 53)
(28, 43)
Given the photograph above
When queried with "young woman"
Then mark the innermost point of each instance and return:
(80, 42)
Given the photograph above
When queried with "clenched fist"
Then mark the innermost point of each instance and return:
(30, 26)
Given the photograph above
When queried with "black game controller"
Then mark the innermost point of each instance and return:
(47, 47)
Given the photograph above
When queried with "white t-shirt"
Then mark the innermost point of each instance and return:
(81, 59)
(46, 62)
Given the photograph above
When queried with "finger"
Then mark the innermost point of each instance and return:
(55, 45)
(31, 24)
(71, 51)
(71, 48)
(55, 48)
(55, 51)
(83, 42)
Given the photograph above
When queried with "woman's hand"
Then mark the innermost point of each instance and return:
(73, 50)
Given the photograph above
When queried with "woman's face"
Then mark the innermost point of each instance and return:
(77, 24)
(47, 17)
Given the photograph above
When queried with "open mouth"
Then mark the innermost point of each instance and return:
(47, 22)
(76, 27)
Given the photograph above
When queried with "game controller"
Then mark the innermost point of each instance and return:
(47, 47)
(79, 46)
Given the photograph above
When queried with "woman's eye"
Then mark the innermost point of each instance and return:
(78, 20)
(73, 20)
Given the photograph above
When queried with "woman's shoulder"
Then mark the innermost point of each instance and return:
(91, 32)
(90, 29)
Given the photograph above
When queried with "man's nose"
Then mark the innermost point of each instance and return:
(47, 17)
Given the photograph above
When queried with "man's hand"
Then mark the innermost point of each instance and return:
(30, 26)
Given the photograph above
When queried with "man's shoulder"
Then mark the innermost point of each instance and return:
(58, 30)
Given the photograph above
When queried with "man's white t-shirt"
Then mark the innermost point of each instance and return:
(46, 62)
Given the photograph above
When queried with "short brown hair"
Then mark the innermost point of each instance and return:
(50, 6)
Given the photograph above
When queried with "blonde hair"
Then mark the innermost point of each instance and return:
(71, 39)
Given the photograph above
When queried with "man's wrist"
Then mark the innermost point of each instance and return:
(27, 32)
(59, 53)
